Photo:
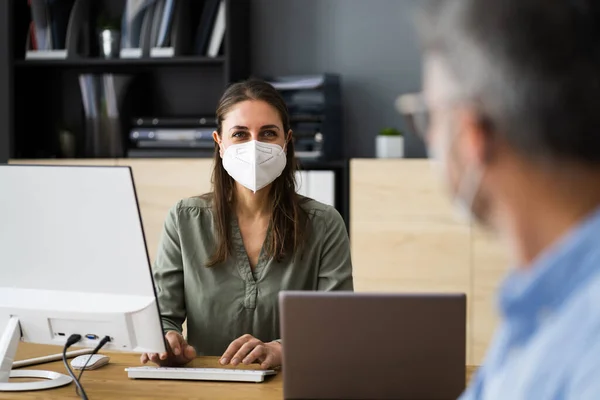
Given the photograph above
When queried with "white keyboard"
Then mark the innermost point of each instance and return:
(199, 374)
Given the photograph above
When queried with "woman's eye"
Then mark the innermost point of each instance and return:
(270, 133)
(239, 134)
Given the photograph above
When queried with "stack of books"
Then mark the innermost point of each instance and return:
(188, 137)
(46, 37)
(164, 27)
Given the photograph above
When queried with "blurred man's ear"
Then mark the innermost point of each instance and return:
(472, 137)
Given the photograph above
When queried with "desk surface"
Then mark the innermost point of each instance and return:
(111, 381)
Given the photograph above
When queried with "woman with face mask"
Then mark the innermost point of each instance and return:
(225, 256)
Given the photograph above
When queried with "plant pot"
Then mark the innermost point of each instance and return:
(389, 146)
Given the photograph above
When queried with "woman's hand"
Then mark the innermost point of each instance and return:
(178, 353)
(248, 349)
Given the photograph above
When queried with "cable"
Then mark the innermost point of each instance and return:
(104, 340)
(70, 342)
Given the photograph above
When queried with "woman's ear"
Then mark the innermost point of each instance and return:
(218, 140)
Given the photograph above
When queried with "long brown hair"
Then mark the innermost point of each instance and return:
(288, 219)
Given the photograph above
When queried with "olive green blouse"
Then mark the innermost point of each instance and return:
(226, 301)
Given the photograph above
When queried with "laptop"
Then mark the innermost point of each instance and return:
(346, 345)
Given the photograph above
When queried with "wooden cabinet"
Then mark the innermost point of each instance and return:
(61, 161)
(490, 264)
(405, 237)
(160, 184)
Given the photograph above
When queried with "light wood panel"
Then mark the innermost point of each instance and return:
(160, 184)
(392, 255)
(398, 190)
(490, 265)
(66, 161)
(404, 235)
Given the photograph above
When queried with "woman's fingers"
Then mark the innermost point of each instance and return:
(174, 340)
(178, 352)
(245, 350)
(189, 353)
(258, 353)
(154, 358)
(234, 347)
(269, 361)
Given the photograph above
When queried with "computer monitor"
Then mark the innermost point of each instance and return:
(73, 260)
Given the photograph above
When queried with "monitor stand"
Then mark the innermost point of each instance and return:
(8, 348)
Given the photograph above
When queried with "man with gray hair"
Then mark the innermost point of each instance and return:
(511, 113)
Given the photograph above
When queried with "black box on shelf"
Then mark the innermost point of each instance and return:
(314, 103)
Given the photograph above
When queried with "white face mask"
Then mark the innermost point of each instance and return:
(254, 164)
(468, 184)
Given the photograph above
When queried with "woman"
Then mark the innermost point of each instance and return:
(225, 256)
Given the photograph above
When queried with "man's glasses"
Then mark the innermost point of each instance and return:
(415, 112)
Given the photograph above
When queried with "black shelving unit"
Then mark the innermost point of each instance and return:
(43, 96)
(6, 112)
(39, 97)
(108, 64)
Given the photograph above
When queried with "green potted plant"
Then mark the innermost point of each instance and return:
(390, 143)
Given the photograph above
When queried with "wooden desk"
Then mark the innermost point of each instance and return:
(111, 382)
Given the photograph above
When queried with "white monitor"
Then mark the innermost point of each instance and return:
(73, 260)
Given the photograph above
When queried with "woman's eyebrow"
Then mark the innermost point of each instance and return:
(245, 128)
(269, 127)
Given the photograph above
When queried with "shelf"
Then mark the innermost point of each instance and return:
(119, 63)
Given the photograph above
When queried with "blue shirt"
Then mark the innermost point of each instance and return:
(548, 346)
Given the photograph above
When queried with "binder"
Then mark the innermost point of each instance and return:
(60, 12)
(181, 27)
(158, 11)
(41, 22)
(49, 29)
(205, 26)
(102, 96)
(136, 28)
(218, 32)
(165, 24)
(77, 41)
(173, 28)
(146, 30)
